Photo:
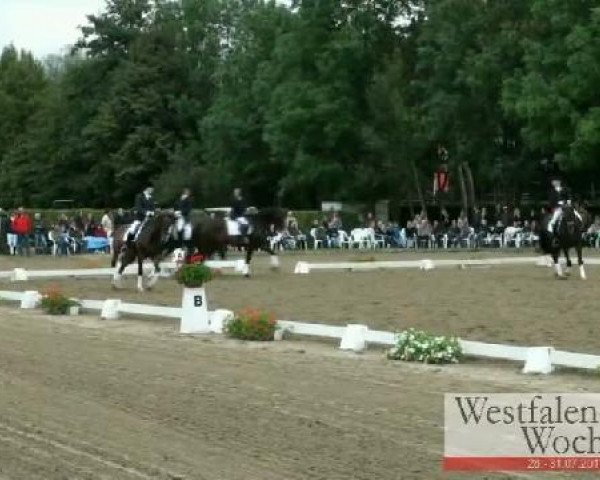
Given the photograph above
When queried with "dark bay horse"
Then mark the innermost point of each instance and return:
(211, 235)
(569, 234)
(151, 243)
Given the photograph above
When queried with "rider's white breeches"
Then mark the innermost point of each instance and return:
(185, 227)
(242, 220)
(132, 228)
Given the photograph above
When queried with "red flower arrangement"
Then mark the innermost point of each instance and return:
(252, 324)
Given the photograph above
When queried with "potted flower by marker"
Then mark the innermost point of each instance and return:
(194, 308)
(54, 302)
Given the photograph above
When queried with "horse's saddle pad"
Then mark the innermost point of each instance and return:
(233, 228)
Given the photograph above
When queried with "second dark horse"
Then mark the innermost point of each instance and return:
(569, 234)
(210, 235)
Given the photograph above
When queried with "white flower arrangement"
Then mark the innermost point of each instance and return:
(418, 346)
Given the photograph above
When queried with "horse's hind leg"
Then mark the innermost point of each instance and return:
(273, 256)
(580, 261)
(248, 260)
(568, 259)
(153, 277)
(120, 265)
(140, 281)
(558, 268)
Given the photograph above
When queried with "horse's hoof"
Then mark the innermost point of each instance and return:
(247, 275)
(560, 277)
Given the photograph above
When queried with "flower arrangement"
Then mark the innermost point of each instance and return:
(55, 302)
(251, 324)
(418, 346)
(194, 275)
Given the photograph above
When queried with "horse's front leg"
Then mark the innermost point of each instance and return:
(582, 274)
(557, 267)
(273, 256)
(140, 278)
(153, 276)
(121, 263)
(568, 259)
(246, 271)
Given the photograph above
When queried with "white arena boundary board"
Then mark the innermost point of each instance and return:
(375, 337)
(166, 268)
(428, 264)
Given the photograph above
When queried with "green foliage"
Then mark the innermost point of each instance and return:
(55, 303)
(250, 324)
(194, 275)
(418, 346)
(314, 101)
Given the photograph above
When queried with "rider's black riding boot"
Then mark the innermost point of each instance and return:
(244, 234)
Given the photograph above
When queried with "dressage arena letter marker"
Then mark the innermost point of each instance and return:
(19, 275)
(194, 311)
(110, 309)
(30, 299)
(538, 360)
(354, 338)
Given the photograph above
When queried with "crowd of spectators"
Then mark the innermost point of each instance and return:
(504, 227)
(25, 233)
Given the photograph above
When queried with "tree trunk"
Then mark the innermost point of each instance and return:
(463, 190)
(418, 186)
(470, 184)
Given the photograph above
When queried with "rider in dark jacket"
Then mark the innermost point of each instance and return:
(238, 210)
(145, 207)
(183, 211)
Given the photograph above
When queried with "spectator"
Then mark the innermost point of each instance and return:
(438, 232)
(23, 227)
(370, 221)
(333, 227)
(318, 233)
(454, 234)
(11, 235)
(40, 234)
(107, 225)
(424, 232)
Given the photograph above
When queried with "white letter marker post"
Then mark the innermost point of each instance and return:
(194, 311)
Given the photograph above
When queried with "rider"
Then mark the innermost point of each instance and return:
(183, 210)
(238, 211)
(145, 207)
(560, 196)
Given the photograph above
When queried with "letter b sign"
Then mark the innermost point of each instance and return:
(197, 300)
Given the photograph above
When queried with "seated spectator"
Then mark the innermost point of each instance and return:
(370, 221)
(593, 233)
(438, 233)
(465, 232)
(454, 234)
(40, 233)
(318, 233)
(424, 232)
(410, 234)
(334, 225)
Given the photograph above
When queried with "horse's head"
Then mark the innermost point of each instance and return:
(164, 225)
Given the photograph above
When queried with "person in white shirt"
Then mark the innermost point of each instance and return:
(107, 226)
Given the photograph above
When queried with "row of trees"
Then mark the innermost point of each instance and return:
(313, 100)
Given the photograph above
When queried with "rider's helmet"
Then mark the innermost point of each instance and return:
(149, 191)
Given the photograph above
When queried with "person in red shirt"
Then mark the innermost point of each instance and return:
(22, 227)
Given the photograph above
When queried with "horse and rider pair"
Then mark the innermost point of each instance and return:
(155, 234)
(145, 208)
(562, 229)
